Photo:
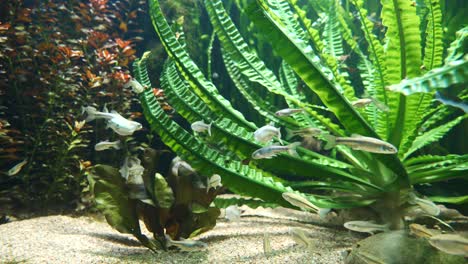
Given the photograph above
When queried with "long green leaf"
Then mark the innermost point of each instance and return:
(434, 46)
(432, 135)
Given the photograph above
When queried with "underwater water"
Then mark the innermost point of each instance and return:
(237, 131)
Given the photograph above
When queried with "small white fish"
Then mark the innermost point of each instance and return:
(15, 169)
(103, 145)
(450, 244)
(131, 167)
(179, 166)
(304, 132)
(232, 213)
(361, 102)
(288, 111)
(136, 86)
(186, 245)
(359, 142)
(427, 206)
(301, 202)
(266, 133)
(365, 227)
(299, 236)
(200, 126)
(271, 151)
(115, 121)
(213, 182)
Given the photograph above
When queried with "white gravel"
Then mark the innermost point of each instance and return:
(65, 239)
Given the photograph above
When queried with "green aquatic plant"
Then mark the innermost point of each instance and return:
(177, 204)
(339, 54)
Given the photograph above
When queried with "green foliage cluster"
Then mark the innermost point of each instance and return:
(329, 52)
(178, 204)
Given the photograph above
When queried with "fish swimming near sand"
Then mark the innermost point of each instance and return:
(450, 244)
(200, 126)
(266, 133)
(366, 227)
(271, 151)
(15, 169)
(301, 202)
(359, 142)
(427, 206)
(186, 245)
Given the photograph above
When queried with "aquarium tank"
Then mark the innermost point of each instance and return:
(167, 119)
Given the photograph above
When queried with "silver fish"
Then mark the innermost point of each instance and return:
(115, 121)
(363, 102)
(301, 202)
(300, 237)
(200, 126)
(179, 166)
(131, 167)
(266, 133)
(427, 206)
(15, 169)
(136, 86)
(288, 111)
(266, 244)
(359, 142)
(271, 151)
(187, 245)
(232, 213)
(213, 182)
(304, 132)
(103, 145)
(365, 226)
(421, 231)
(450, 244)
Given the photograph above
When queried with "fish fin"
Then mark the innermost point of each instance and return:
(322, 212)
(331, 141)
(209, 128)
(381, 106)
(279, 137)
(292, 148)
(104, 109)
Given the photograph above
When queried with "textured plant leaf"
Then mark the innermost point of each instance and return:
(452, 200)
(434, 47)
(432, 135)
(458, 48)
(454, 73)
(112, 200)
(163, 192)
(222, 202)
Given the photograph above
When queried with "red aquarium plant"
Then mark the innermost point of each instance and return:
(55, 57)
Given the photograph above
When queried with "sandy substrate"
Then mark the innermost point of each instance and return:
(65, 239)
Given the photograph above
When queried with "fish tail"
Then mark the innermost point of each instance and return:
(331, 141)
(168, 240)
(292, 148)
(209, 128)
(117, 144)
(289, 133)
(91, 112)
